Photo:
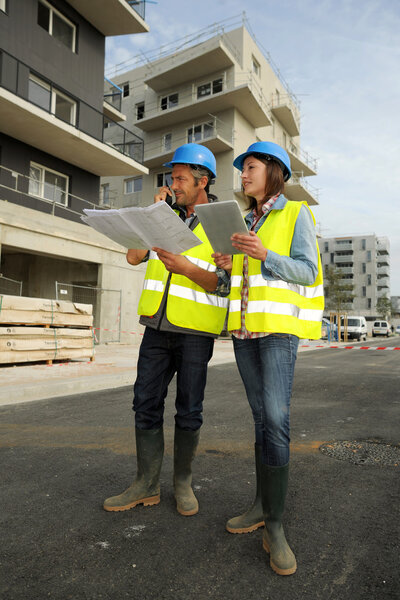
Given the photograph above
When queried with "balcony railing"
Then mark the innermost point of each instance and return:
(298, 178)
(114, 97)
(14, 77)
(15, 186)
(302, 155)
(138, 6)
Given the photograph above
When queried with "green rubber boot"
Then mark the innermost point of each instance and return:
(253, 518)
(185, 445)
(274, 481)
(146, 487)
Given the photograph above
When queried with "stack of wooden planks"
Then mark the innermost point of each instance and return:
(37, 329)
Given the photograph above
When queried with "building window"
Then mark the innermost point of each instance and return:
(169, 101)
(162, 178)
(125, 89)
(105, 194)
(364, 291)
(368, 255)
(196, 133)
(364, 268)
(326, 246)
(369, 303)
(332, 257)
(133, 184)
(51, 99)
(369, 280)
(212, 87)
(139, 111)
(167, 142)
(255, 66)
(48, 184)
(56, 24)
(363, 244)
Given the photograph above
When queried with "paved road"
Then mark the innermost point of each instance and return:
(61, 457)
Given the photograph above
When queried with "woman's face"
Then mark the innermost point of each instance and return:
(254, 177)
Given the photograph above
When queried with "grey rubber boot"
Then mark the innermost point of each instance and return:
(274, 481)
(146, 487)
(185, 445)
(253, 518)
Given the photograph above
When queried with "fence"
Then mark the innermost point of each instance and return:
(106, 308)
(10, 286)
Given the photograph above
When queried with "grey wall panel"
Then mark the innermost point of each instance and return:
(80, 73)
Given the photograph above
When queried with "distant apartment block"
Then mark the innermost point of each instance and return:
(364, 261)
(221, 90)
(59, 133)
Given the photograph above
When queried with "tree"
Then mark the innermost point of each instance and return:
(337, 294)
(384, 307)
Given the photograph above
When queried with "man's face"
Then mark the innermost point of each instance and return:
(184, 186)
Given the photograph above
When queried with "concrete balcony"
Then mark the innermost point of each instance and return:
(298, 189)
(341, 245)
(301, 161)
(383, 283)
(382, 271)
(349, 270)
(83, 140)
(209, 57)
(113, 17)
(245, 96)
(217, 136)
(382, 246)
(344, 258)
(285, 109)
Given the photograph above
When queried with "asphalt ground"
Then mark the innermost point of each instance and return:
(62, 456)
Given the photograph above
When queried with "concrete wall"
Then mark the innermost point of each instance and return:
(42, 249)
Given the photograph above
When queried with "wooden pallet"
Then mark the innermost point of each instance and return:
(37, 329)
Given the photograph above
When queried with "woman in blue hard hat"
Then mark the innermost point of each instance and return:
(276, 298)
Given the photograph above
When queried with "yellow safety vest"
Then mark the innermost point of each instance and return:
(188, 304)
(275, 305)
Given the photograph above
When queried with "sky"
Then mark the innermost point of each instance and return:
(341, 58)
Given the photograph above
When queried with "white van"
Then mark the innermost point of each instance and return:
(356, 328)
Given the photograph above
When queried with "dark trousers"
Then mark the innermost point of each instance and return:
(161, 355)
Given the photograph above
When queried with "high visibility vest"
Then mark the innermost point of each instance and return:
(275, 305)
(188, 304)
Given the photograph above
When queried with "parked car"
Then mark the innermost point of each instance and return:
(397, 331)
(381, 328)
(356, 328)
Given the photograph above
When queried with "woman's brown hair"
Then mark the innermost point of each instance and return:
(274, 181)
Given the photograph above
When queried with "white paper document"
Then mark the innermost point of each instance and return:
(220, 220)
(143, 228)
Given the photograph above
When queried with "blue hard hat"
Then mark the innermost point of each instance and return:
(267, 149)
(194, 154)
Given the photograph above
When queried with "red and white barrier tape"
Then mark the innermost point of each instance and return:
(353, 347)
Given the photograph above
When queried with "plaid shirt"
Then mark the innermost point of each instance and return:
(243, 333)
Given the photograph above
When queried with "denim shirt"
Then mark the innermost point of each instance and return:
(301, 266)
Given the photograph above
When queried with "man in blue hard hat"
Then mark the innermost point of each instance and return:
(183, 307)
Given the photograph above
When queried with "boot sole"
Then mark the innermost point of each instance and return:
(245, 529)
(274, 567)
(187, 513)
(150, 501)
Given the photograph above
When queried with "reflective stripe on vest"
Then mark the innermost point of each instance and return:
(275, 305)
(188, 305)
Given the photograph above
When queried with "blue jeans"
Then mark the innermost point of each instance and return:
(266, 366)
(161, 355)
